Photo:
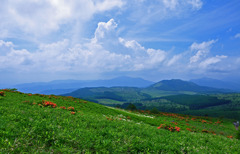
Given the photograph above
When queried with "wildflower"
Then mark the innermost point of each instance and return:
(62, 107)
(47, 103)
(177, 129)
(73, 113)
(189, 129)
(71, 108)
(236, 124)
(230, 136)
(2, 93)
(204, 121)
(160, 126)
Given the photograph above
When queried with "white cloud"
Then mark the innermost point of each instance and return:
(134, 45)
(174, 59)
(203, 45)
(145, 12)
(171, 4)
(196, 4)
(202, 50)
(11, 58)
(237, 35)
(85, 57)
(104, 29)
(41, 17)
(211, 60)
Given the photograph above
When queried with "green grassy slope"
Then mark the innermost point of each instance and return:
(40, 124)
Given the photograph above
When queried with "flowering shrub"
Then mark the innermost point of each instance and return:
(71, 108)
(205, 131)
(189, 129)
(204, 121)
(218, 122)
(47, 103)
(238, 135)
(169, 127)
(62, 107)
(2, 93)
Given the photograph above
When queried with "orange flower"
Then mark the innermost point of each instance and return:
(204, 121)
(73, 112)
(160, 126)
(63, 107)
(177, 129)
(1, 93)
(71, 108)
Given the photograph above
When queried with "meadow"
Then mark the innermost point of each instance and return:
(36, 123)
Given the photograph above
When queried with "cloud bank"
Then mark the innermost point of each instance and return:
(95, 56)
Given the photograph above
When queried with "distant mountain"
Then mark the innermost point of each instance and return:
(114, 93)
(66, 86)
(217, 83)
(180, 85)
(130, 94)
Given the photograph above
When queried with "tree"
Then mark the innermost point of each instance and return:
(131, 107)
(154, 110)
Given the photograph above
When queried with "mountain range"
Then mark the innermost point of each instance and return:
(58, 87)
(65, 86)
(159, 89)
(217, 83)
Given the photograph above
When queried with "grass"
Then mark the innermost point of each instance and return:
(29, 126)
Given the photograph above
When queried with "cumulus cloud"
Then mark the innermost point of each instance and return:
(202, 50)
(211, 60)
(104, 29)
(43, 17)
(94, 56)
(11, 58)
(89, 56)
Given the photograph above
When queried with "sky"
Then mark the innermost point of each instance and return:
(42, 40)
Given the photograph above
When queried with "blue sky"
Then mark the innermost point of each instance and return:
(46, 40)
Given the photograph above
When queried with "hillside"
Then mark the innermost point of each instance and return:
(33, 123)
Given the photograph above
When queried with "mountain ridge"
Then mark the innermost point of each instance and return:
(60, 86)
(215, 83)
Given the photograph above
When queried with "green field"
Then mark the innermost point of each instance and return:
(34, 123)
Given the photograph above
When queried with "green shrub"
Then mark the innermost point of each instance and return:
(238, 134)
